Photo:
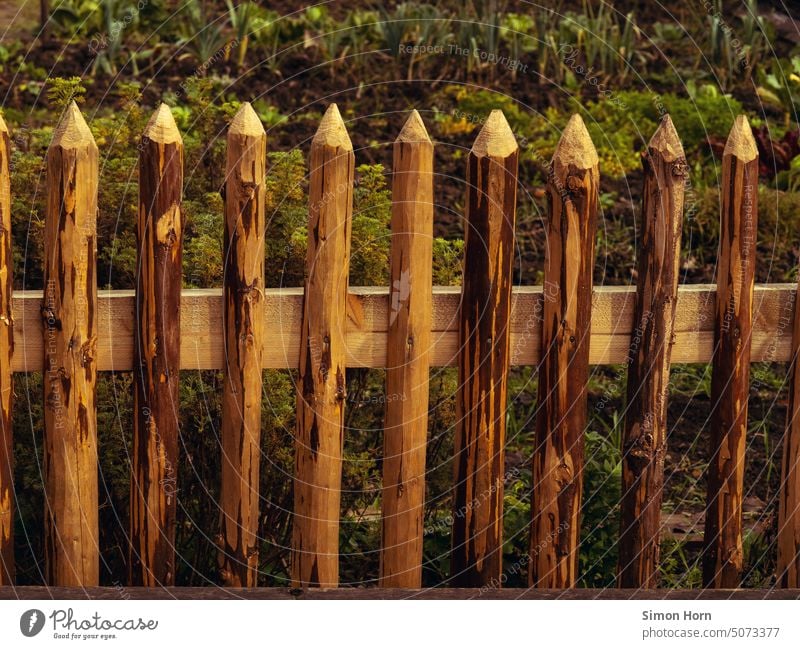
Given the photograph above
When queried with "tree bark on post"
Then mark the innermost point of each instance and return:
(244, 340)
(788, 569)
(6, 375)
(572, 193)
(645, 440)
(484, 337)
(70, 342)
(157, 353)
(321, 388)
(407, 352)
(730, 379)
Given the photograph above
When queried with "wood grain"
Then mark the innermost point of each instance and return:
(69, 327)
(484, 355)
(645, 436)
(157, 354)
(368, 311)
(321, 387)
(407, 358)
(572, 192)
(243, 330)
(788, 568)
(723, 555)
(6, 373)
(355, 594)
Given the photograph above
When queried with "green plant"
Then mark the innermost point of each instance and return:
(606, 41)
(413, 25)
(759, 560)
(242, 19)
(517, 31)
(733, 51)
(780, 87)
(61, 92)
(678, 568)
(203, 36)
(602, 477)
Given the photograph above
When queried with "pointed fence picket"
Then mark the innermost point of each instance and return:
(70, 332)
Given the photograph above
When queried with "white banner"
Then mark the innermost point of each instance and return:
(401, 624)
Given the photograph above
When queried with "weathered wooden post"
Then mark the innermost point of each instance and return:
(321, 388)
(407, 352)
(484, 338)
(70, 342)
(788, 569)
(730, 378)
(6, 376)
(157, 353)
(645, 441)
(244, 339)
(572, 193)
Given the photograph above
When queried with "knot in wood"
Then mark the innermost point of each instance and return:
(170, 240)
(563, 476)
(249, 188)
(575, 183)
(87, 352)
(341, 390)
(640, 452)
(50, 319)
(680, 169)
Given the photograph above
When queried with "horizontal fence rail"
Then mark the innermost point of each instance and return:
(202, 347)
(71, 331)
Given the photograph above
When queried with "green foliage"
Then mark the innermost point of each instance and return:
(202, 257)
(735, 51)
(780, 87)
(572, 51)
(759, 560)
(679, 567)
(61, 92)
(602, 481)
(268, 113)
(203, 35)
(447, 261)
(618, 128)
(371, 235)
(287, 215)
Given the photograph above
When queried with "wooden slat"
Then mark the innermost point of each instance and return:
(156, 362)
(484, 350)
(723, 554)
(645, 438)
(368, 312)
(321, 387)
(557, 482)
(72, 553)
(788, 542)
(244, 336)
(6, 377)
(408, 354)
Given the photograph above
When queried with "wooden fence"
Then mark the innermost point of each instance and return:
(70, 331)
